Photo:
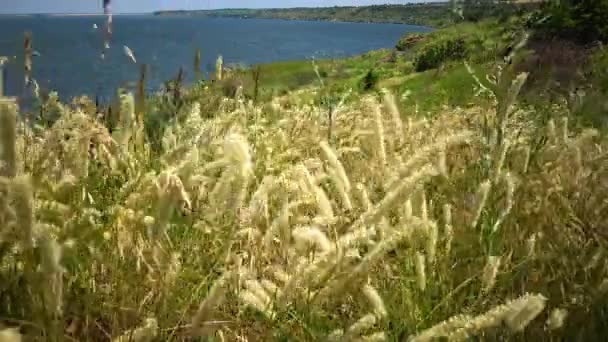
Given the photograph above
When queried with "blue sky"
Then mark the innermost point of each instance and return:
(126, 6)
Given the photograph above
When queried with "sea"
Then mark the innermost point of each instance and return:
(68, 48)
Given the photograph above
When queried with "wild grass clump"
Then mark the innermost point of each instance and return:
(249, 223)
(432, 56)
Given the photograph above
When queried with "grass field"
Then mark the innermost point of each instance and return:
(393, 69)
(429, 205)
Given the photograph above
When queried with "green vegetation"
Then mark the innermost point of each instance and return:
(476, 10)
(445, 83)
(426, 14)
(438, 53)
(431, 14)
(581, 20)
(340, 200)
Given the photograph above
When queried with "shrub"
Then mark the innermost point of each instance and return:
(230, 86)
(409, 40)
(434, 55)
(477, 10)
(553, 67)
(407, 68)
(598, 68)
(582, 20)
(589, 100)
(369, 81)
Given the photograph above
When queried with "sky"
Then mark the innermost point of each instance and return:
(143, 6)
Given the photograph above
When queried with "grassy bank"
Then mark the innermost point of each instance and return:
(420, 201)
(404, 69)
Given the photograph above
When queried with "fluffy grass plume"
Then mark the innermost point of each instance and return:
(242, 221)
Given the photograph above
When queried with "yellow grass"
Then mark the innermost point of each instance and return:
(250, 225)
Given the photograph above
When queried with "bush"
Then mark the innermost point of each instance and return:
(582, 20)
(408, 41)
(369, 81)
(553, 67)
(434, 55)
(598, 68)
(477, 10)
(407, 68)
(589, 101)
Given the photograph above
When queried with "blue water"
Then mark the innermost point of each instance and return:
(70, 47)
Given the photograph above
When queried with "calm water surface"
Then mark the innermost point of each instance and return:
(70, 47)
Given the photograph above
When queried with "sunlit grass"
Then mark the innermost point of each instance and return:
(420, 208)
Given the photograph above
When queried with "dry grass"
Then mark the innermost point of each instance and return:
(251, 226)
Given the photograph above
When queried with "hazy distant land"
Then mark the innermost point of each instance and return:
(435, 14)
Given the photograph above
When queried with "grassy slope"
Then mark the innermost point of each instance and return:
(450, 85)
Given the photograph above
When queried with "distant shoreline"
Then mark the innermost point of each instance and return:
(434, 14)
(298, 19)
(212, 15)
(429, 14)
